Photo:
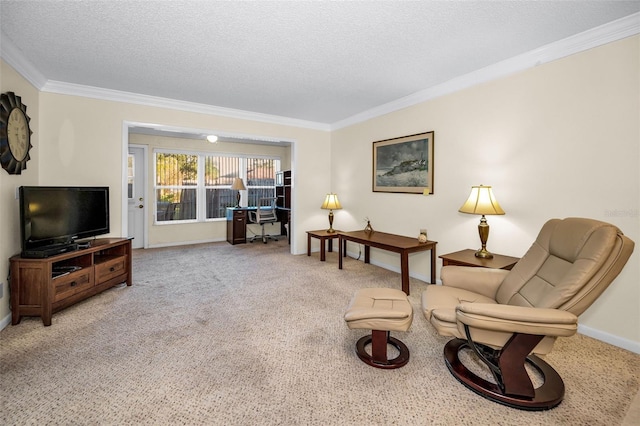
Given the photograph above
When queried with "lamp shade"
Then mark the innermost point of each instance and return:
(481, 201)
(331, 202)
(238, 185)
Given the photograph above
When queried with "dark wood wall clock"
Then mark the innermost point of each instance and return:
(15, 134)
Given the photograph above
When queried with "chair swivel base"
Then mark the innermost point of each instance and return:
(264, 238)
(378, 358)
(547, 396)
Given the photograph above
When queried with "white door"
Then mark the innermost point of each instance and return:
(136, 183)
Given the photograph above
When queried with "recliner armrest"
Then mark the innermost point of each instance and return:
(484, 281)
(517, 319)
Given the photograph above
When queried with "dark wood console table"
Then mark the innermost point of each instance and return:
(390, 242)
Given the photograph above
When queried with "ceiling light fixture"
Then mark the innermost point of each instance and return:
(212, 138)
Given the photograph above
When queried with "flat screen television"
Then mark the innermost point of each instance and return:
(53, 218)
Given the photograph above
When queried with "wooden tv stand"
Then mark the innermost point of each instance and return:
(36, 292)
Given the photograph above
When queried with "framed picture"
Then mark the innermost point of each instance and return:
(404, 164)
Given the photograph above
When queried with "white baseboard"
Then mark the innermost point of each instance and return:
(5, 322)
(186, 243)
(611, 339)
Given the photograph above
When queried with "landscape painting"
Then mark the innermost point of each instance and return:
(404, 164)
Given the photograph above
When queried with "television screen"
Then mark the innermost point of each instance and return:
(51, 215)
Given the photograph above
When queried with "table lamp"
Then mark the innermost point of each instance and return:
(238, 185)
(330, 203)
(481, 201)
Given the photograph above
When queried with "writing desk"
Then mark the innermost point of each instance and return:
(390, 242)
(238, 219)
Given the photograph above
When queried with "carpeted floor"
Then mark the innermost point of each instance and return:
(250, 335)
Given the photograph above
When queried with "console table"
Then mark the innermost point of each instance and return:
(467, 258)
(390, 242)
(40, 287)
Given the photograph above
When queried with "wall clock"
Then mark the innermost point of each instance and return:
(15, 134)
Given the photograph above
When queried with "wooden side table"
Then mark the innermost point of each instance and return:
(467, 258)
(323, 236)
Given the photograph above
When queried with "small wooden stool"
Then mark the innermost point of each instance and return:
(381, 310)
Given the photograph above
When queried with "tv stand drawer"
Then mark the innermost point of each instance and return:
(110, 268)
(71, 284)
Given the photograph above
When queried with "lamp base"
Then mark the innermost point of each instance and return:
(331, 230)
(484, 254)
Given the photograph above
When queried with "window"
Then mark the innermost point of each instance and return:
(176, 186)
(131, 168)
(261, 179)
(197, 187)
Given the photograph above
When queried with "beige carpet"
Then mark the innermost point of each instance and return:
(250, 335)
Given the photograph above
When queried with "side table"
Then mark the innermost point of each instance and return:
(323, 236)
(467, 258)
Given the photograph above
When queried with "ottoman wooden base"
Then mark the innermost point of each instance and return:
(378, 358)
(380, 310)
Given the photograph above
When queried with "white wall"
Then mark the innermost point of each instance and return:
(558, 140)
(11, 81)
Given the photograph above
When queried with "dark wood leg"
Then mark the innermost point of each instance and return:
(308, 244)
(323, 255)
(367, 254)
(341, 249)
(379, 345)
(330, 245)
(404, 271)
(433, 265)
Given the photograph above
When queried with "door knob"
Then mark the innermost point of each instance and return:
(140, 206)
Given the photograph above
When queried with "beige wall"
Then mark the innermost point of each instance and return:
(558, 140)
(170, 234)
(11, 81)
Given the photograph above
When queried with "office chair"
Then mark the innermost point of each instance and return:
(265, 213)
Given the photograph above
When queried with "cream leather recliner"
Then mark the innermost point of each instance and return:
(506, 317)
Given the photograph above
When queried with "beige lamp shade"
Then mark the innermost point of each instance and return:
(331, 203)
(238, 185)
(482, 201)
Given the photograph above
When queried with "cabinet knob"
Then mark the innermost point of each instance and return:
(73, 284)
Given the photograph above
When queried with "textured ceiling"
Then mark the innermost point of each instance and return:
(319, 61)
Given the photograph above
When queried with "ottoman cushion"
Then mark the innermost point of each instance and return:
(379, 309)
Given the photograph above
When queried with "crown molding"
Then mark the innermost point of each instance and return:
(598, 36)
(158, 102)
(14, 57)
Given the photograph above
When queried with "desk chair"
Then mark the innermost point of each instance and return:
(265, 213)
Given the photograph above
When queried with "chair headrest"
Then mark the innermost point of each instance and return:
(572, 235)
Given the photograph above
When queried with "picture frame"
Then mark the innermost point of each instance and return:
(404, 164)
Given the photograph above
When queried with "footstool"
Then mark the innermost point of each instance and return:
(381, 310)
